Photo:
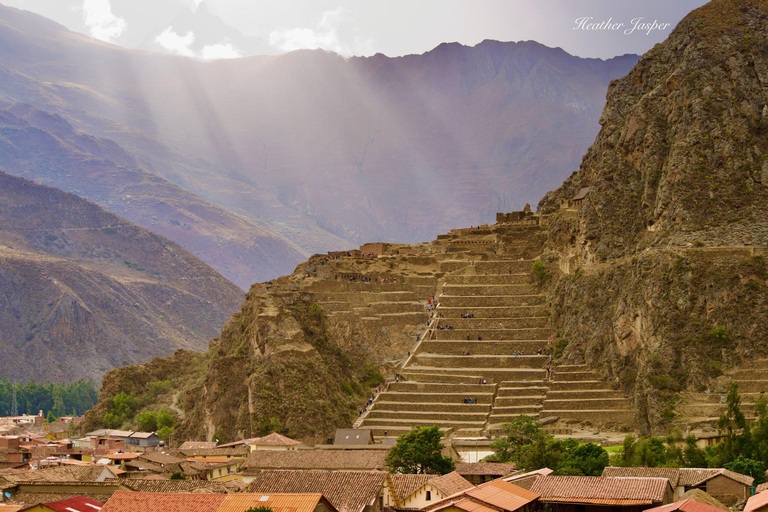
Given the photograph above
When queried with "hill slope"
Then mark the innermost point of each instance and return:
(83, 290)
(46, 148)
(321, 147)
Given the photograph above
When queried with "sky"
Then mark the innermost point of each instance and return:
(234, 28)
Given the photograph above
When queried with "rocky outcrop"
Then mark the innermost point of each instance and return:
(662, 229)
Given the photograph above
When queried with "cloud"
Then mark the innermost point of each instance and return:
(220, 51)
(174, 43)
(101, 22)
(328, 33)
(182, 45)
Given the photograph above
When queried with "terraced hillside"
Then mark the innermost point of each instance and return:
(489, 344)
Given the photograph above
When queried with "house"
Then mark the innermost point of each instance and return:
(497, 495)
(181, 502)
(348, 491)
(480, 472)
(143, 439)
(339, 460)
(77, 504)
(353, 437)
(525, 480)
(671, 474)
(761, 488)
(757, 503)
(724, 485)
(602, 494)
(417, 492)
(212, 468)
(686, 505)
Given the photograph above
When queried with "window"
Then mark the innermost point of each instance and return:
(429, 495)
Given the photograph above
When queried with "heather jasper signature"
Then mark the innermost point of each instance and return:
(637, 25)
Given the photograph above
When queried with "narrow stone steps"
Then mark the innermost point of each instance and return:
(510, 334)
(487, 312)
(502, 348)
(459, 407)
(433, 398)
(587, 403)
(481, 361)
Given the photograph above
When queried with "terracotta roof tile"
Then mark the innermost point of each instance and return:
(175, 486)
(231, 451)
(78, 504)
(28, 499)
(317, 459)
(601, 490)
(160, 458)
(123, 501)
(197, 445)
(672, 474)
(687, 505)
(450, 484)
(485, 468)
(348, 491)
(762, 487)
(274, 439)
(694, 477)
(405, 485)
(59, 474)
(756, 502)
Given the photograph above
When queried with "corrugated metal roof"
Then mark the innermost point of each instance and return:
(595, 489)
(278, 502)
(503, 495)
(686, 505)
(470, 506)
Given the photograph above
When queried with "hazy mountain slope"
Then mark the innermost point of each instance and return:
(45, 148)
(83, 290)
(322, 146)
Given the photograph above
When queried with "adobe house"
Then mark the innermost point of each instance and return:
(725, 486)
(417, 491)
(353, 437)
(494, 496)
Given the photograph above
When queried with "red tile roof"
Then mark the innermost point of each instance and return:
(79, 504)
(274, 439)
(687, 505)
(405, 485)
(672, 474)
(601, 490)
(468, 506)
(317, 459)
(197, 445)
(348, 491)
(123, 501)
(762, 487)
(278, 502)
(756, 502)
(485, 468)
(450, 484)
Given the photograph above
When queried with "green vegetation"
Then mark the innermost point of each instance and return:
(419, 452)
(123, 411)
(259, 509)
(73, 398)
(530, 448)
(540, 273)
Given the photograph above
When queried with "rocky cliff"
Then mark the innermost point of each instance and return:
(83, 290)
(662, 228)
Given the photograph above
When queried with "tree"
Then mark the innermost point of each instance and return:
(519, 435)
(420, 452)
(693, 456)
(587, 459)
(749, 467)
(259, 509)
(51, 418)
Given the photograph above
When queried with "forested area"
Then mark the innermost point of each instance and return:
(72, 398)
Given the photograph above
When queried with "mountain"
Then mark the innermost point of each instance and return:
(83, 290)
(45, 148)
(668, 281)
(328, 151)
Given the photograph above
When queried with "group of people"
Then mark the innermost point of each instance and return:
(447, 327)
(467, 315)
(470, 400)
(376, 391)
